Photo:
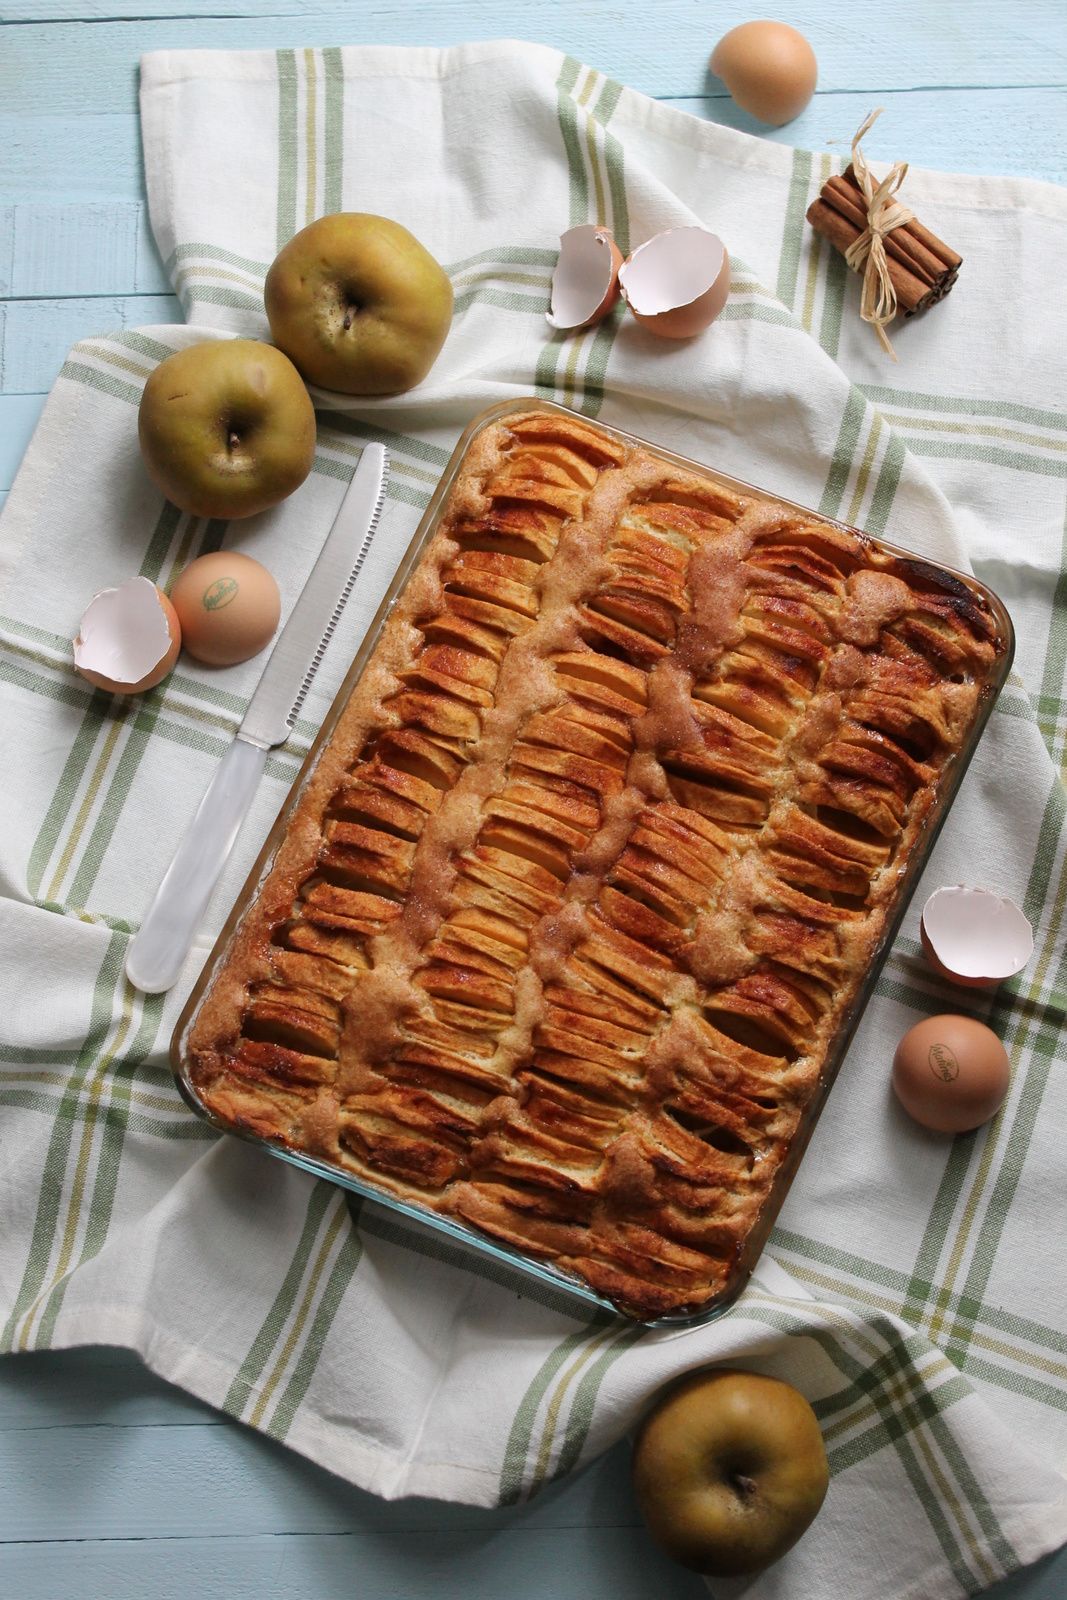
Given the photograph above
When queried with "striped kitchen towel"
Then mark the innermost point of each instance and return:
(915, 1288)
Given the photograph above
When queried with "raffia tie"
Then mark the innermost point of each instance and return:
(878, 298)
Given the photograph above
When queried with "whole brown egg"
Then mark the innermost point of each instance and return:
(769, 69)
(951, 1073)
(228, 606)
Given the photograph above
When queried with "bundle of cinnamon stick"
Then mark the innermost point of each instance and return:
(922, 268)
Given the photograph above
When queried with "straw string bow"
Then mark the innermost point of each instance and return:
(878, 298)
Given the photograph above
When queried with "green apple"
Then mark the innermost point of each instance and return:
(358, 304)
(227, 428)
(729, 1470)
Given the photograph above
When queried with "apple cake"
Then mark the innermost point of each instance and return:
(579, 891)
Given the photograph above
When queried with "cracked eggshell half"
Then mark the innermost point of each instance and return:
(585, 283)
(677, 283)
(128, 638)
(975, 937)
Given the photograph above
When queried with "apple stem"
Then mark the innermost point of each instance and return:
(745, 1486)
(350, 313)
(233, 440)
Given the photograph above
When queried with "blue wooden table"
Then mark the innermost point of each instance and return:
(112, 1484)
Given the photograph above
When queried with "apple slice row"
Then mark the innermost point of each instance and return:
(637, 1081)
(469, 965)
(635, 613)
(507, 883)
(562, 765)
(373, 825)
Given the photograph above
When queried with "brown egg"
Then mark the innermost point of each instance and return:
(228, 606)
(951, 1073)
(769, 69)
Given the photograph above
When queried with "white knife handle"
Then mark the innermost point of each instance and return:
(157, 954)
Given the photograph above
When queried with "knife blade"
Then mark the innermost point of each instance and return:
(157, 953)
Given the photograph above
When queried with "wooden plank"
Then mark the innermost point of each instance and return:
(7, 246)
(36, 334)
(109, 10)
(67, 66)
(18, 418)
(598, 1564)
(107, 1387)
(78, 161)
(60, 250)
(405, 1550)
(115, 252)
(99, 1482)
(71, 155)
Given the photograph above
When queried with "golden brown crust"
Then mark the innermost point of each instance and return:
(568, 915)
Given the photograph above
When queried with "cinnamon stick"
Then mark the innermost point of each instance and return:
(913, 293)
(921, 266)
(901, 244)
(922, 235)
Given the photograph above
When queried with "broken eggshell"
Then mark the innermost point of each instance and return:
(677, 282)
(975, 937)
(128, 638)
(585, 283)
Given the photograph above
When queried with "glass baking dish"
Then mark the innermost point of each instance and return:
(585, 1298)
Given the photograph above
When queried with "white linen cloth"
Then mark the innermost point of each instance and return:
(915, 1288)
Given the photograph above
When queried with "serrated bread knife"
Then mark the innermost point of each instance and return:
(156, 955)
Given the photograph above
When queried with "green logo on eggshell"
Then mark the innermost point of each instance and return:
(219, 593)
(943, 1063)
